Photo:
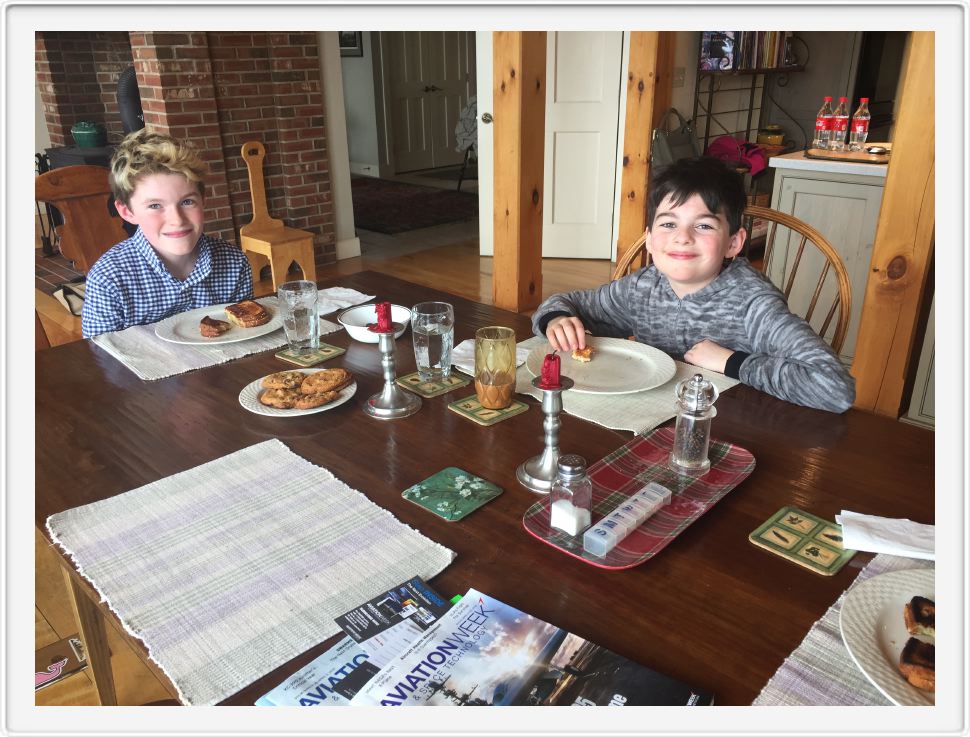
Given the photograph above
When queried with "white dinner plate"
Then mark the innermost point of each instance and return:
(249, 398)
(184, 327)
(618, 367)
(874, 631)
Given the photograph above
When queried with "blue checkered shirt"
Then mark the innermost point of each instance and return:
(129, 285)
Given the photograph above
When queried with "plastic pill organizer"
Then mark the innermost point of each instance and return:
(602, 537)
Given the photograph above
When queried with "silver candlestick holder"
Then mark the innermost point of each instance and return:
(538, 474)
(392, 402)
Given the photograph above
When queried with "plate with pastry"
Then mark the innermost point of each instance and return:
(225, 323)
(298, 392)
(888, 624)
(609, 366)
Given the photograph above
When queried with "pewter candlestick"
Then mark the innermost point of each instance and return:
(392, 402)
(538, 474)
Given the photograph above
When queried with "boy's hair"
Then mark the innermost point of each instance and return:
(721, 188)
(143, 153)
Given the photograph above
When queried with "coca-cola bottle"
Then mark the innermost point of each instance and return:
(840, 125)
(859, 129)
(823, 125)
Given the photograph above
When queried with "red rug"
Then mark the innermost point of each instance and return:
(395, 207)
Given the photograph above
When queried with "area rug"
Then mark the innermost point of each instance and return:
(395, 207)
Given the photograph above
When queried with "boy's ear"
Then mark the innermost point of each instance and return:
(737, 241)
(125, 212)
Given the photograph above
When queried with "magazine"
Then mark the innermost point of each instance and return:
(717, 50)
(486, 653)
(390, 622)
(315, 684)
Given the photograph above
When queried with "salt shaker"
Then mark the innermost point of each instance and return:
(692, 433)
(571, 496)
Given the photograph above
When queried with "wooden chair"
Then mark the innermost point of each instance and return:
(83, 197)
(802, 290)
(267, 239)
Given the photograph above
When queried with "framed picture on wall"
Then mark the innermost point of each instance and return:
(351, 43)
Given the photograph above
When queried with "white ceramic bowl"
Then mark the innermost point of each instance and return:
(356, 319)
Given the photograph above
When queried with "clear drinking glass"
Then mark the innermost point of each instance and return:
(495, 366)
(433, 330)
(298, 308)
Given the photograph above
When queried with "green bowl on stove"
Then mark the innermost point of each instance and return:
(88, 134)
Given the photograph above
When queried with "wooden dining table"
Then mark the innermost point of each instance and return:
(711, 609)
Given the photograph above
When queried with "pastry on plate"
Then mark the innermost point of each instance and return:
(212, 328)
(310, 401)
(920, 616)
(583, 354)
(280, 398)
(247, 314)
(917, 663)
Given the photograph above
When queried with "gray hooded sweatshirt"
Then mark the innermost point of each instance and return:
(775, 351)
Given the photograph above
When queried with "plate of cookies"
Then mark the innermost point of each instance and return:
(227, 323)
(298, 392)
(888, 624)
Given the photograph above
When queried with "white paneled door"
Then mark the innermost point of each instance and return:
(582, 115)
(430, 77)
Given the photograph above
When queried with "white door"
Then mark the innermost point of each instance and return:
(582, 114)
(431, 75)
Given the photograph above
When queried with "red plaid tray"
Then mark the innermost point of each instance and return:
(630, 468)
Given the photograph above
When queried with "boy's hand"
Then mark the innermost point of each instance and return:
(708, 354)
(566, 334)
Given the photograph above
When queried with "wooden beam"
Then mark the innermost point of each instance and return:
(637, 131)
(519, 105)
(903, 248)
(663, 96)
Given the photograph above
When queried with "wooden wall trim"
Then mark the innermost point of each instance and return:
(637, 131)
(903, 247)
(519, 111)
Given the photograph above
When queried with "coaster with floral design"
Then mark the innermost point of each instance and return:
(452, 493)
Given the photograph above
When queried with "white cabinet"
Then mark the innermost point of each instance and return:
(840, 200)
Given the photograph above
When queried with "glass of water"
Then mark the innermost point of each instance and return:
(433, 329)
(298, 307)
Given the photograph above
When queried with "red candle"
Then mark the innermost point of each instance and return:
(383, 318)
(549, 378)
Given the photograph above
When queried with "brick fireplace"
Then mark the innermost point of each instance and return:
(217, 90)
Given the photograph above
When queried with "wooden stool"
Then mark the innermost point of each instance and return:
(266, 239)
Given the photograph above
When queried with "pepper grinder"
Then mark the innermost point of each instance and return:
(692, 432)
(391, 402)
(539, 473)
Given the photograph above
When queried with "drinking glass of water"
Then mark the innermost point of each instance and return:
(298, 307)
(433, 329)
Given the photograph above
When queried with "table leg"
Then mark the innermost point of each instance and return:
(91, 626)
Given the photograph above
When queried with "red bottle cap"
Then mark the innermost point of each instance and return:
(827, 98)
(549, 378)
(843, 99)
(863, 99)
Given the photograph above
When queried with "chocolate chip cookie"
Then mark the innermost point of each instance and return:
(326, 380)
(280, 398)
(284, 380)
(309, 401)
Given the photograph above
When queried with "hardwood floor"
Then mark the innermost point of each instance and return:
(454, 266)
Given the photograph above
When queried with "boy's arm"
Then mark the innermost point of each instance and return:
(103, 310)
(789, 360)
(603, 311)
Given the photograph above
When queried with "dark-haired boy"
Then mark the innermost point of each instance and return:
(690, 302)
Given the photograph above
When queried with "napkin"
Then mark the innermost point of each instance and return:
(463, 356)
(901, 537)
(338, 298)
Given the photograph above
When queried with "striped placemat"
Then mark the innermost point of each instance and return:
(230, 569)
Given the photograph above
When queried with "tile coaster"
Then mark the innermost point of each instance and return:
(452, 493)
(471, 409)
(324, 353)
(811, 542)
(412, 382)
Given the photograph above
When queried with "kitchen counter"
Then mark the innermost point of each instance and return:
(798, 160)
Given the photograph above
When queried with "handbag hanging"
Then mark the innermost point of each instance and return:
(669, 145)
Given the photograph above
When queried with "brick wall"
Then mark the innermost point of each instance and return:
(78, 75)
(218, 90)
